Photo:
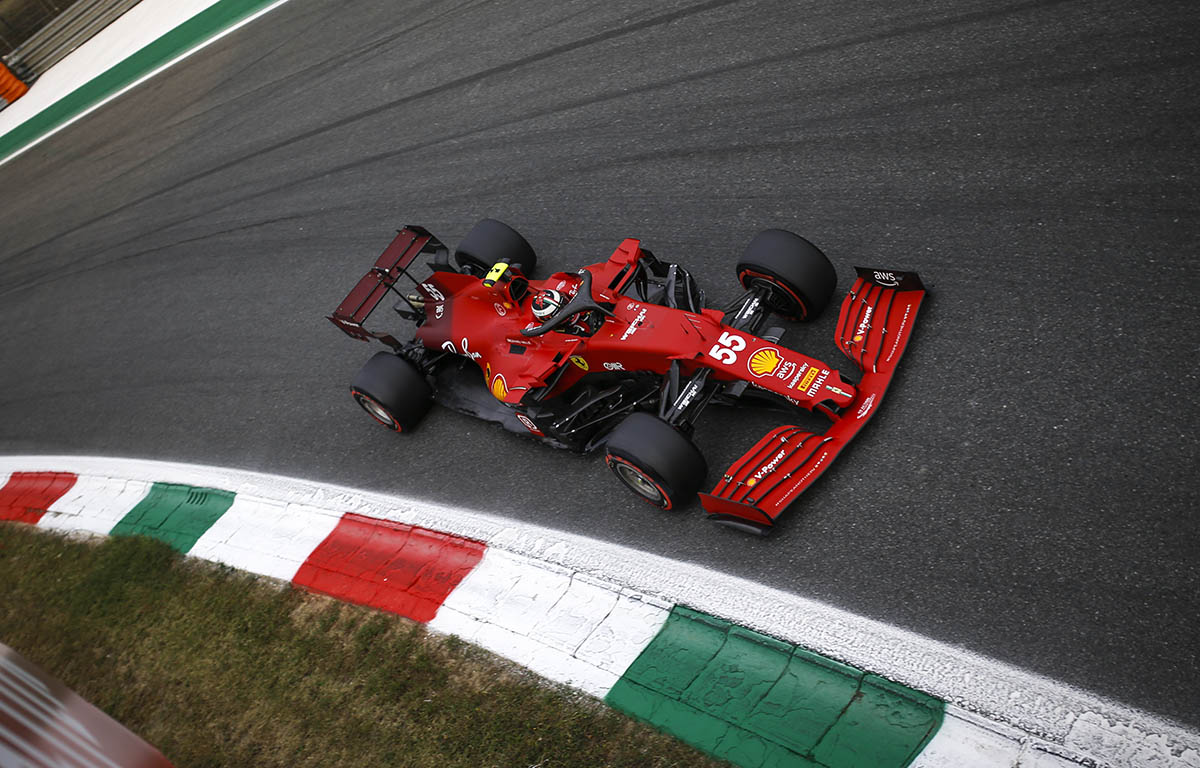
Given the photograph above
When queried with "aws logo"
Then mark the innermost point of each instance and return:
(764, 362)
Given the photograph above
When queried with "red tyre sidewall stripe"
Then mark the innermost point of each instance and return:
(611, 458)
(394, 426)
(775, 282)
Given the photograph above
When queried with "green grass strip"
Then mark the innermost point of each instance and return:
(219, 668)
(202, 26)
(176, 514)
(759, 702)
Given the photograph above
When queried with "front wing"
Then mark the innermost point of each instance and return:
(874, 326)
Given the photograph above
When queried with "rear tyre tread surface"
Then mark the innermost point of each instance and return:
(491, 241)
(392, 391)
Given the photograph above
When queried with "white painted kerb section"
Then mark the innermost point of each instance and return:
(565, 626)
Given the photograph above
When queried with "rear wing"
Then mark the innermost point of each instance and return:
(874, 326)
(358, 305)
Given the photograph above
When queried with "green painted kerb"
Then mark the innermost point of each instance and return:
(762, 703)
(212, 20)
(176, 514)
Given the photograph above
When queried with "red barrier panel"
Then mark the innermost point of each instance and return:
(27, 495)
(11, 88)
(43, 722)
(392, 566)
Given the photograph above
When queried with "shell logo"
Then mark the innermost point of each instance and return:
(764, 362)
(499, 388)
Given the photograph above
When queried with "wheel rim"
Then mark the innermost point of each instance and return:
(376, 411)
(782, 300)
(639, 483)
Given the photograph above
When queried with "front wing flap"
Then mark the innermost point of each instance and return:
(873, 329)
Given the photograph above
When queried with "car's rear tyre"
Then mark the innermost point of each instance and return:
(801, 277)
(491, 241)
(392, 391)
(655, 461)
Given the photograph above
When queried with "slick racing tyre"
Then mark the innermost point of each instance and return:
(491, 241)
(655, 461)
(801, 278)
(392, 391)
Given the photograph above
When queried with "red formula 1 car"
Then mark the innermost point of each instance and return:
(623, 355)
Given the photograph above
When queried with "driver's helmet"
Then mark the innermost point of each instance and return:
(546, 303)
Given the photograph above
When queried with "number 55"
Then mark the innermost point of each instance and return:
(727, 347)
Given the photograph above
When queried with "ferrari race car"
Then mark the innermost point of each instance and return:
(623, 355)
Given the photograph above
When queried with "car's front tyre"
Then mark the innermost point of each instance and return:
(801, 277)
(655, 461)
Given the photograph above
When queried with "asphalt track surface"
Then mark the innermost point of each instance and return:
(1028, 489)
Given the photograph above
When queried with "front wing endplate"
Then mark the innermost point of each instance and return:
(873, 329)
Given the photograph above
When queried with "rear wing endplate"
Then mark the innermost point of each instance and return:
(409, 243)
